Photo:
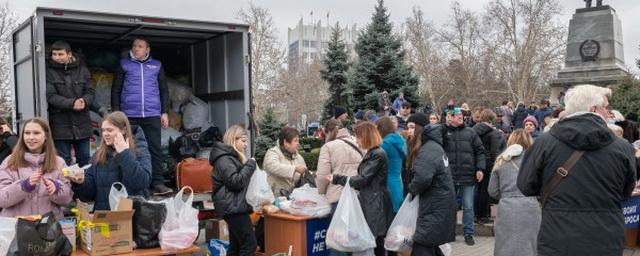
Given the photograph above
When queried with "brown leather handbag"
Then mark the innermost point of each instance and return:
(195, 173)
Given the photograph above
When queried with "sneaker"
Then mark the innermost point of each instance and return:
(469, 240)
(158, 190)
(484, 220)
(488, 220)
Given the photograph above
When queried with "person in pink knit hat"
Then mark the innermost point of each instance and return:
(31, 180)
(530, 125)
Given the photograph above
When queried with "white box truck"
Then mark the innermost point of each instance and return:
(212, 57)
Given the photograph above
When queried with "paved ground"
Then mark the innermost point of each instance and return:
(484, 247)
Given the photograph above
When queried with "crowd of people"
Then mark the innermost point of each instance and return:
(558, 175)
(31, 177)
(470, 160)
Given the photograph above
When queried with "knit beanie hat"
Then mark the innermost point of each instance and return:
(339, 111)
(419, 119)
(532, 119)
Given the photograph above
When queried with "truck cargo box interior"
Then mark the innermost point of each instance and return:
(209, 62)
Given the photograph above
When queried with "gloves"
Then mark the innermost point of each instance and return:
(339, 179)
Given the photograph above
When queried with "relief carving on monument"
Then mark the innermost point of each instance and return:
(589, 50)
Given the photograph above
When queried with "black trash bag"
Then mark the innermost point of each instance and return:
(306, 178)
(184, 146)
(208, 137)
(170, 171)
(147, 222)
(13, 248)
(43, 237)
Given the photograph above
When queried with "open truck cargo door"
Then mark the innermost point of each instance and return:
(24, 88)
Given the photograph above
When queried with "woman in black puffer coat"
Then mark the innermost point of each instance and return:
(433, 183)
(230, 181)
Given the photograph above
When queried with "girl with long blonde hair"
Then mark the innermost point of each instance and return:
(123, 156)
(231, 175)
(518, 217)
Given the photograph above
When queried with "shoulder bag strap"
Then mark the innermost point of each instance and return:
(353, 146)
(561, 173)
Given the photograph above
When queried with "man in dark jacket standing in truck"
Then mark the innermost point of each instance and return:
(467, 163)
(581, 214)
(140, 91)
(69, 95)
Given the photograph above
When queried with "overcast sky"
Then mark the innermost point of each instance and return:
(286, 13)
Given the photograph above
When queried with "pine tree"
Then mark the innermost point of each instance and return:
(626, 96)
(335, 74)
(269, 125)
(269, 128)
(380, 66)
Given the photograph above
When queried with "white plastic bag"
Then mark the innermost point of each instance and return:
(102, 92)
(400, 234)
(7, 233)
(349, 231)
(115, 195)
(446, 249)
(307, 201)
(259, 192)
(180, 228)
(195, 114)
(178, 93)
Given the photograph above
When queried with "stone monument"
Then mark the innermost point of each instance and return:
(595, 52)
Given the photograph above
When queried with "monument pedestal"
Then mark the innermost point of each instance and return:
(594, 51)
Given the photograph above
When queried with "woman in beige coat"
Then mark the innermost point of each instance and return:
(283, 164)
(339, 155)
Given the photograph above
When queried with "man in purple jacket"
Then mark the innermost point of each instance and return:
(140, 91)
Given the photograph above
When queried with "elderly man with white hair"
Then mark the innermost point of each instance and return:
(582, 172)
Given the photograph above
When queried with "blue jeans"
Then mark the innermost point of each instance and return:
(465, 194)
(81, 148)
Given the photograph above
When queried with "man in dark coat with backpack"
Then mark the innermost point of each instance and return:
(594, 172)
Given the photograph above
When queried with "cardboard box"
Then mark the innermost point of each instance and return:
(69, 230)
(216, 229)
(111, 232)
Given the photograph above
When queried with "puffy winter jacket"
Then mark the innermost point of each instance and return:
(582, 216)
(433, 183)
(465, 152)
(132, 168)
(541, 113)
(371, 182)
(230, 180)
(8, 140)
(518, 117)
(280, 170)
(15, 201)
(396, 149)
(65, 84)
(337, 157)
(140, 88)
(493, 143)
